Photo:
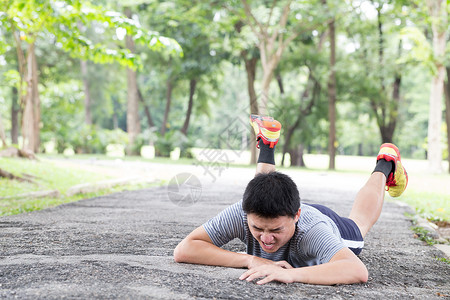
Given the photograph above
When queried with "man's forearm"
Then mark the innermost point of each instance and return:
(336, 272)
(343, 268)
(201, 252)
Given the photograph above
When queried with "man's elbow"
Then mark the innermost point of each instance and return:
(179, 254)
(363, 274)
(357, 273)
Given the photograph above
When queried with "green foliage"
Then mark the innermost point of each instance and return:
(443, 259)
(421, 51)
(92, 139)
(215, 37)
(422, 234)
(165, 144)
(64, 20)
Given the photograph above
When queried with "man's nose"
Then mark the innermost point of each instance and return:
(266, 237)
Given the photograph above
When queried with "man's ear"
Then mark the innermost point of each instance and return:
(297, 215)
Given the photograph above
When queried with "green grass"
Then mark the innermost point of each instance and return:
(18, 206)
(443, 259)
(422, 234)
(430, 205)
(163, 160)
(47, 175)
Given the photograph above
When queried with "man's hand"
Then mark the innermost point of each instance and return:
(268, 273)
(258, 261)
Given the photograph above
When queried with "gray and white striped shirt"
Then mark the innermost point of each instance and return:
(316, 239)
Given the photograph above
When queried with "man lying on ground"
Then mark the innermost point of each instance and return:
(286, 241)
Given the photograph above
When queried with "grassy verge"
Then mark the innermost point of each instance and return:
(163, 160)
(18, 206)
(432, 206)
(47, 175)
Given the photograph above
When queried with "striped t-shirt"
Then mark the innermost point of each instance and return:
(316, 239)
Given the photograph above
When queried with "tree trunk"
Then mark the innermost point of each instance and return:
(115, 110)
(133, 124)
(332, 98)
(287, 140)
(302, 113)
(37, 105)
(2, 133)
(385, 108)
(250, 68)
(386, 134)
(438, 12)
(15, 117)
(31, 112)
(146, 109)
(85, 78)
(300, 162)
(294, 157)
(380, 47)
(360, 149)
(7, 175)
(297, 156)
(280, 82)
(447, 113)
(312, 84)
(265, 85)
(271, 47)
(192, 85)
(167, 110)
(87, 94)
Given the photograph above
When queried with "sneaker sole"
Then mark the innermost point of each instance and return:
(270, 134)
(389, 152)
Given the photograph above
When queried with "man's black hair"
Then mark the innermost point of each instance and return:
(271, 195)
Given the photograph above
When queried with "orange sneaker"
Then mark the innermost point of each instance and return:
(398, 180)
(267, 129)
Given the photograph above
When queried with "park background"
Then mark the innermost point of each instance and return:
(173, 82)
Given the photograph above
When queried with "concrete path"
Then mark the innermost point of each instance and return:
(120, 246)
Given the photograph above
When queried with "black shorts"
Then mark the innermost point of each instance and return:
(348, 229)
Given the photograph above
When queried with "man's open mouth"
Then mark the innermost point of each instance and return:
(268, 246)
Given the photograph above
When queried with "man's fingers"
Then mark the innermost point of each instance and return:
(265, 280)
(244, 275)
(255, 275)
(284, 264)
(250, 275)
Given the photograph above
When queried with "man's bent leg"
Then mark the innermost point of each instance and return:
(389, 172)
(369, 202)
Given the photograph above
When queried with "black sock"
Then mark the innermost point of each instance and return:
(266, 154)
(385, 167)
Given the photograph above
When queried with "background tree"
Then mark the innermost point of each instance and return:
(273, 36)
(439, 25)
(332, 97)
(380, 73)
(62, 21)
(447, 112)
(133, 122)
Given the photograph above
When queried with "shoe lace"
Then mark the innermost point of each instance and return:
(390, 181)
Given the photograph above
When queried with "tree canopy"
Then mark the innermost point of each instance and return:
(83, 74)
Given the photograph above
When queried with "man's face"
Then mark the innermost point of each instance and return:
(272, 233)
